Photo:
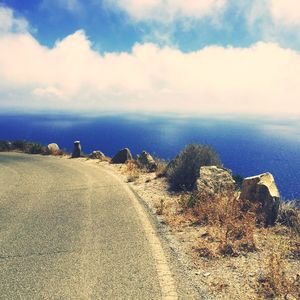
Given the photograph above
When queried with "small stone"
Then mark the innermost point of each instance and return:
(52, 148)
(97, 155)
(77, 149)
(206, 274)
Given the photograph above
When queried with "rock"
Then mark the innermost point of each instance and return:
(145, 160)
(122, 156)
(52, 148)
(215, 181)
(77, 150)
(261, 189)
(97, 155)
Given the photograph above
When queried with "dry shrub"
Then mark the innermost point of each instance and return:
(132, 169)
(161, 207)
(289, 215)
(275, 283)
(231, 223)
(161, 168)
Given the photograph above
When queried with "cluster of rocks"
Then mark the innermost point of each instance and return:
(213, 181)
(144, 160)
(260, 190)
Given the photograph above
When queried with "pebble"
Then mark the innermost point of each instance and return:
(206, 274)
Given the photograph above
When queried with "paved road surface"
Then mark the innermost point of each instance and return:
(71, 231)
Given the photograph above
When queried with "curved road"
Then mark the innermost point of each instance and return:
(69, 230)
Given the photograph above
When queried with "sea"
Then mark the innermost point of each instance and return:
(246, 145)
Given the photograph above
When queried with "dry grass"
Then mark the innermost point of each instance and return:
(275, 283)
(231, 225)
(132, 170)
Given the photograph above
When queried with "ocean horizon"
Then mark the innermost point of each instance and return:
(247, 146)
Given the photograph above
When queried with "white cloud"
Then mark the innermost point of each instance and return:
(286, 11)
(167, 10)
(9, 23)
(261, 79)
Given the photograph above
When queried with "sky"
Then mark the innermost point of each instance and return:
(160, 56)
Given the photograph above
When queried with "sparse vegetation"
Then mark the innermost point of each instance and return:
(183, 171)
(22, 146)
(235, 258)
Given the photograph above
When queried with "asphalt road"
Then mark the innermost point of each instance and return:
(70, 231)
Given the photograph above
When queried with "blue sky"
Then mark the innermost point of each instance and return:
(103, 55)
(112, 28)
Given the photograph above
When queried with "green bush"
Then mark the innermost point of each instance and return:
(183, 171)
(34, 148)
(19, 145)
(28, 147)
(238, 181)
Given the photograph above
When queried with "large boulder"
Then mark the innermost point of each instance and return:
(146, 161)
(215, 181)
(97, 155)
(53, 148)
(76, 150)
(122, 156)
(262, 190)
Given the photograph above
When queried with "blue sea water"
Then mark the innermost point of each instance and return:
(246, 146)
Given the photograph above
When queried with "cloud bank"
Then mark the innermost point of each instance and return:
(285, 11)
(71, 76)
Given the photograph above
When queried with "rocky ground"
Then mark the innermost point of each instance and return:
(271, 271)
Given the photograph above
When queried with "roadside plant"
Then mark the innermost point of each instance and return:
(183, 171)
(289, 215)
